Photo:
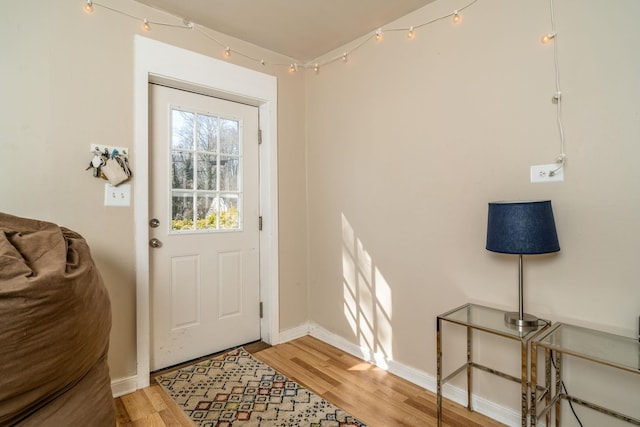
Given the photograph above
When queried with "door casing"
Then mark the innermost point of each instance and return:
(157, 62)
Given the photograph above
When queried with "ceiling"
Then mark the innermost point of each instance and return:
(300, 29)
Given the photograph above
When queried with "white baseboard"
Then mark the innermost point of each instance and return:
(481, 405)
(122, 386)
(293, 333)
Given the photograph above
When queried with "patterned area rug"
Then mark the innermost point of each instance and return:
(236, 390)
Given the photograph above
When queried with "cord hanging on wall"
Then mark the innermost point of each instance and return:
(556, 98)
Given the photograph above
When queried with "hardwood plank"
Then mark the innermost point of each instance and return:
(369, 393)
(154, 394)
(138, 405)
(150, 420)
(122, 416)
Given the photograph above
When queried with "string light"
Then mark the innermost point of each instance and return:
(548, 37)
(89, 6)
(293, 68)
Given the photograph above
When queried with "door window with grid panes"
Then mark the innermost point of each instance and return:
(206, 172)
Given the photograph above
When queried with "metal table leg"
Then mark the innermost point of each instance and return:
(439, 371)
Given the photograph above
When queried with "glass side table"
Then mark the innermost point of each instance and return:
(599, 347)
(479, 318)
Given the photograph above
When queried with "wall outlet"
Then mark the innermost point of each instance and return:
(117, 196)
(553, 172)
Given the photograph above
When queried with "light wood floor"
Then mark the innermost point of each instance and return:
(371, 394)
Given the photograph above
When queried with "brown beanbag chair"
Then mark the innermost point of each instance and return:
(55, 319)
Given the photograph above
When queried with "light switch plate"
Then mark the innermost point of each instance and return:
(117, 196)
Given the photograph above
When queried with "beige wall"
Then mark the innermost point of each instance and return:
(406, 143)
(67, 82)
(410, 139)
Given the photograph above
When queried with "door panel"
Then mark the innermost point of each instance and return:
(204, 274)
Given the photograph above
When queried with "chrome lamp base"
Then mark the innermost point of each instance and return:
(518, 320)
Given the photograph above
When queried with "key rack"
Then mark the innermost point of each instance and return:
(101, 147)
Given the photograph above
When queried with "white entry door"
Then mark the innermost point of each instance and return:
(203, 206)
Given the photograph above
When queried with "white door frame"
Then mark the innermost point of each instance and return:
(158, 62)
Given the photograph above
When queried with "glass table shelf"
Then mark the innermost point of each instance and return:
(488, 320)
(594, 346)
(612, 350)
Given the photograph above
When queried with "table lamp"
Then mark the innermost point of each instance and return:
(521, 228)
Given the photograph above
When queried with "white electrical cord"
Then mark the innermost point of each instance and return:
(557, 97)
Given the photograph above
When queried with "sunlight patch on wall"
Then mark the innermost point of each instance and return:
(367, 299)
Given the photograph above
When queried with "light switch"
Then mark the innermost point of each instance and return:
(117, 196)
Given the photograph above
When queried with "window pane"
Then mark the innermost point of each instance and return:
(182, 129)
(182, 170)
(207, 179)
(229, 136)
(229, 217)
(182, 211)
(207, 133)
(229, 168)
(207, 208)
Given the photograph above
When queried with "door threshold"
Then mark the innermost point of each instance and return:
(251, 347)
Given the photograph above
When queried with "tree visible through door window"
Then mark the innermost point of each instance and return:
(206, 193)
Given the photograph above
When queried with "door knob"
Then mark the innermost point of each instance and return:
(154, 223)
(155, 243)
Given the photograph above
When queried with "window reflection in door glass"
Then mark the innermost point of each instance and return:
(206, 166)
(207, 172)
(207, 133)
(229, 173)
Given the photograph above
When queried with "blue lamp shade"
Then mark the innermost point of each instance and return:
(525, 228)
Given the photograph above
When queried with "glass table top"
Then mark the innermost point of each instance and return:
(609, 349)
(490, 320)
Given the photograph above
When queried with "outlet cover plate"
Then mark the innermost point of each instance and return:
(117, 196)
(553, 172)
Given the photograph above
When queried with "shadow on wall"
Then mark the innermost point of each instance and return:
(367, 299)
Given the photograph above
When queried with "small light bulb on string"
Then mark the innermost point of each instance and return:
(146, 26)
(227, 52)
(411, 34)
(293, 68)
(345, 58)
(456, 17)
(548, 37)
(379, 34)
(88, 7)
(316, 68)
